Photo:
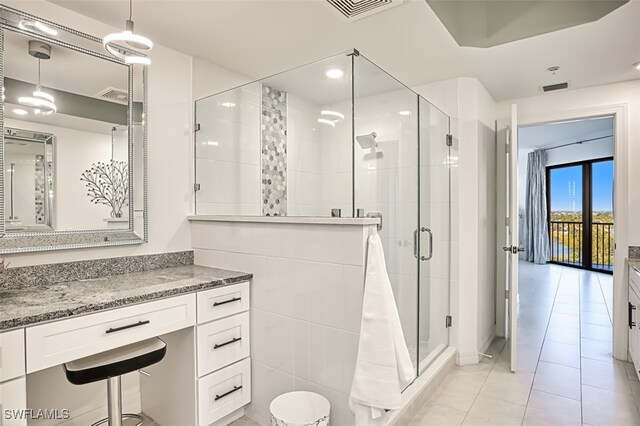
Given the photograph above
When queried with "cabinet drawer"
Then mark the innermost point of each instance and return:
(634, 279)
(61, 341)
(223, 392)
(223, 302)
(13, 399)
(11, 354)
(222, 342)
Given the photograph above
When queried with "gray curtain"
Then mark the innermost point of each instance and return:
(536, 230)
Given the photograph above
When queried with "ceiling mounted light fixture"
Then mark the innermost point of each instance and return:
(42, 103)
(127, 37)
(637, 65)
(327, 122)
(38, 27)
(334, 73)
(336, 114)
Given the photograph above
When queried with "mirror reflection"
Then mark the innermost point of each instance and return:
(66, 138)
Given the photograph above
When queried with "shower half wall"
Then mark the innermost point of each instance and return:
(287, 146)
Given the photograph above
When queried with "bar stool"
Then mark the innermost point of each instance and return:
(110, 366)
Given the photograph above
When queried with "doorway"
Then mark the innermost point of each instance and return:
(580, 214)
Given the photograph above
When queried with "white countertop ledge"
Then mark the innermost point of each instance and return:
(362, 221)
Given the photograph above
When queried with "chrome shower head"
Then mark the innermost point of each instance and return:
(367, 141)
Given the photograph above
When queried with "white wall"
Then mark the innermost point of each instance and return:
(472, 112)
(169, 141)
(304, 159)
(306, 304)
(227, 149)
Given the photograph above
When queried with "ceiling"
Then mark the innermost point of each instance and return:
(554, 134)
(258, 38)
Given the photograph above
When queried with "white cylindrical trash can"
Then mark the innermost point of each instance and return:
(300, 409)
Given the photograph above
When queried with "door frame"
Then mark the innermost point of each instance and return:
(587, 207)
(621, 205)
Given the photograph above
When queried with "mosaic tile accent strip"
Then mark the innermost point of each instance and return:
(634, 252)
(274, 151)
(39, 189)
(42, 275)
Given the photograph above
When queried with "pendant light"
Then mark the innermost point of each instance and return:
(134, 41)
(42, 103)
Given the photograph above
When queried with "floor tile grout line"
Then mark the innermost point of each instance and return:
(544, 338)
(605, 300)
(483, 383)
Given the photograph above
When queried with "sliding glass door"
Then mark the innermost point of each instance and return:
(580, 206)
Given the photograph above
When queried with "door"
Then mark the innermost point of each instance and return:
(434, 232)
(511, 247)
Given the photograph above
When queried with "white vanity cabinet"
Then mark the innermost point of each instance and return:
(223, 347)
(634, 318)
(204, 379)
(13, 394)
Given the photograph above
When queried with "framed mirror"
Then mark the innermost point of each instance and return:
(73, 139)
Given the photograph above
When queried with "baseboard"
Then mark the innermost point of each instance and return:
(468, 358)
(487, 344)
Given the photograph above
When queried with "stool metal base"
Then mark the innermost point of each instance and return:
(114, 405)
(105, 421)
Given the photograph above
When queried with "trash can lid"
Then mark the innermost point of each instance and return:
(300, 407)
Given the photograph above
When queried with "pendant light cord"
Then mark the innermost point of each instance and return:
(130, 9)
(38, 86)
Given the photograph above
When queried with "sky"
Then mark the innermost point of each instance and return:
(566, 187)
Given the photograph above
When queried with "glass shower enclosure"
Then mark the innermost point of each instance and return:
(341, 137)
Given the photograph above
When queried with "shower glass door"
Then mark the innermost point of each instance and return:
(386, 180)
(437, 160)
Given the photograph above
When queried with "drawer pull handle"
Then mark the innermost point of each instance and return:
(235, 299)
(124, 327)
(235, 388)
(235, 339)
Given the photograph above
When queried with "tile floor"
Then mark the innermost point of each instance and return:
(566, 375)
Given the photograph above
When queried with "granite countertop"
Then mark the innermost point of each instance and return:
(33, 304)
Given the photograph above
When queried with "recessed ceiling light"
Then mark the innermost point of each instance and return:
(327, 122)
(19, 111)
(334, 73)
(228, 104)
(637, 65)
(404, 113)
(333, 114)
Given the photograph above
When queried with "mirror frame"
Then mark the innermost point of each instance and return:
(24, 242)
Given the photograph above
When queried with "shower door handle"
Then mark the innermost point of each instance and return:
(415, 243)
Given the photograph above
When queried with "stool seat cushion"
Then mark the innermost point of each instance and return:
(115, 362)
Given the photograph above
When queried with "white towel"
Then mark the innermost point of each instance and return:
(384, 367)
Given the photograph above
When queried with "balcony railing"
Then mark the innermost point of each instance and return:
(567, 244)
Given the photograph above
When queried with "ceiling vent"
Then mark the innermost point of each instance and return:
(552, 87)
(112, 94)
(357, 9)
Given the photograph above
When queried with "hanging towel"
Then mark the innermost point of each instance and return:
(383, 367)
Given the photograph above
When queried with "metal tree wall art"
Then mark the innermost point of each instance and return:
(108, 184)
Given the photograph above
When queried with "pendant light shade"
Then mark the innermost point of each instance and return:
(40, 103)
(128, 37)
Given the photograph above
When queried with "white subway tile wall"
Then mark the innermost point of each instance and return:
(306, 304)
